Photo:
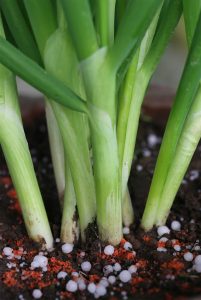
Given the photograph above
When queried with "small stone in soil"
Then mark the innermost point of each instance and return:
(197, 260)
(152, 140)
(125, 276)
(163, 230)
(177, 248)
(61, 275)
(111, 279)
(104, 282)
(7, 251)
(128, 246)
(107, 269)
(67, 248)
(86, 266)
(91, 288)
(126, 230)
(176, 225)
(132, 269)
(161, 249)
(109, 250)
(100, 291)
(117, 267)
(188, 256)
(81, 284)
(71, 286)
(197, 268)
(37, 294)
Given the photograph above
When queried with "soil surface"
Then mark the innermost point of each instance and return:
(160, 270)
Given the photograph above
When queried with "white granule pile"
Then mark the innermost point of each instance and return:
(109, 250)
(67, 248)
(39, 261)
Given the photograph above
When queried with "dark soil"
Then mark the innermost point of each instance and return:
(160, 275)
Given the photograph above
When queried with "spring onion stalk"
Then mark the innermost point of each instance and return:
(129, 116)
(186, 147)
(15, 147)
(99, 72)
(57, 150)
(191, 13)
(43, 20)
(41, 14)
(105, 16)
(127, 209)
(61, 61)
(190, 134)
(69, 222)
(185, 96)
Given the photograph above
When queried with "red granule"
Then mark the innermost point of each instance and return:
(176, 242)
(15, 206)
(10, 280)
(6, 180)
(146, 238)
(55, 265)
(12, 194)
(142, 263)
(168, 296)
(161, 244)
(94, 278)
(154, 290)
(123, 241)
(174, 265)
(137, 280)
(66, 295)
(18, 252)
(20, 242)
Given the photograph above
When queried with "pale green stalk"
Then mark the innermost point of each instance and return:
(15, 147)
(69, 223)
(186, 147)
(61, 61)
(127, 210)
(134, 88)
(57, 151)
(105, 13)
(100, 86)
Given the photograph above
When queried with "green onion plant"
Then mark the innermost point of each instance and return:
(93, 61)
